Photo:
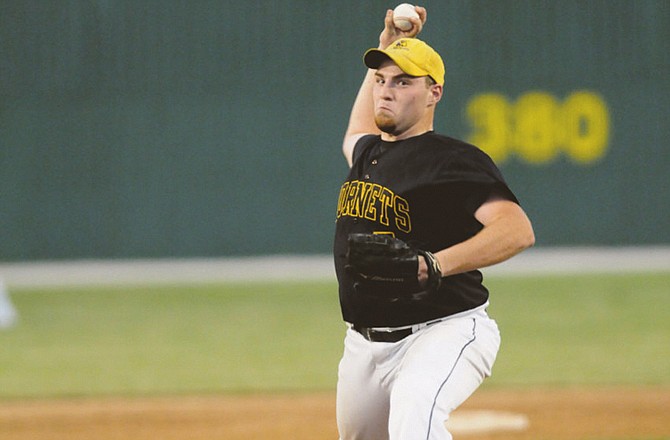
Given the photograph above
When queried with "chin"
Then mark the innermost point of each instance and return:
(386, 125)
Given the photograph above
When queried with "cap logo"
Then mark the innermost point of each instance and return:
(400, 44)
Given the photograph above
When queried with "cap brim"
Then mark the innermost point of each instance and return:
(374, 58)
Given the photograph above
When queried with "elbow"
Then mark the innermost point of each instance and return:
(530, 240)
(520, 244)
(523, 236)
(527, 238)
(526, 235)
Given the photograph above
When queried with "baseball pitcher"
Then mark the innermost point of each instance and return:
(418, 215)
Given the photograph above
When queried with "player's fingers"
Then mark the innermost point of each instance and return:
(389, 34)
(417, 23)
(423, 14)
(416, 27)
(388, 19)
(389, 26)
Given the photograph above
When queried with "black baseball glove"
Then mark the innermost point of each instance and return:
(382, 265)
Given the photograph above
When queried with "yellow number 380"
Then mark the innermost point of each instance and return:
(538, 127)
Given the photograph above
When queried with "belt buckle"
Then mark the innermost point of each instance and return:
(386, 335)
(371, 333)
(368, 333)
(378, 335)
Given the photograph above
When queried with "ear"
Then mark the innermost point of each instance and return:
(435, 94)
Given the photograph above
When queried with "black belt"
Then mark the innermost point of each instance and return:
(390, 335)
(374, 335)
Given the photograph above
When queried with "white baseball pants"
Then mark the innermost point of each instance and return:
(406, 390)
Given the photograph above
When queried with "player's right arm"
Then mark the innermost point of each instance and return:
(362, 118)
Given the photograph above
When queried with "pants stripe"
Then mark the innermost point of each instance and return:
(439, 390)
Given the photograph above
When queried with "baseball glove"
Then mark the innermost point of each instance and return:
(386, 266)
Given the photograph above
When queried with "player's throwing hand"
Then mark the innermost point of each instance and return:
(392, 33)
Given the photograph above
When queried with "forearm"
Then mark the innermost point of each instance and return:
(362, 120)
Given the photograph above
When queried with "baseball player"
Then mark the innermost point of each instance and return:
(418, 214)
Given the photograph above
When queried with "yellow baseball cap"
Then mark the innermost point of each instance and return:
(413, 56)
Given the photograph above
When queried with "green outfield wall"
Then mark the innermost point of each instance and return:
(142, 129)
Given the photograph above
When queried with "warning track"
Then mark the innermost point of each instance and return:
(310, 267)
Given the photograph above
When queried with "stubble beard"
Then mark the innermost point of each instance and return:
(385, 124)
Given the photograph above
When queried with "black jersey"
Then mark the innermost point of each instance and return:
(424, 191)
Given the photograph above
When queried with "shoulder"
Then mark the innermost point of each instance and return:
(452, 145)
(351, 145)
(363, 146)
(446, 160)
(453, 151)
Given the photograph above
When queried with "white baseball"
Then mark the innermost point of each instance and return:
(401, 15)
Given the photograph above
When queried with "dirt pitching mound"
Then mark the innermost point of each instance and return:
(548, 414)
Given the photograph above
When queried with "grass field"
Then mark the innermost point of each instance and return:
(131, 341)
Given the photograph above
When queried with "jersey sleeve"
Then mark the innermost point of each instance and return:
(475, 169)
(480, 193)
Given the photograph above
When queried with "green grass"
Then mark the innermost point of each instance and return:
(272, 337)
(588, 329)
(171, 340)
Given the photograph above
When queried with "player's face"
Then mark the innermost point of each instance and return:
(401, 101)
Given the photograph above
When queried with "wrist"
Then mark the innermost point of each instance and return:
(443, 263)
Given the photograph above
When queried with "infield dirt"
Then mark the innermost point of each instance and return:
(612, 414)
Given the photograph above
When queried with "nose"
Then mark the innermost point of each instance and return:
(385, 90)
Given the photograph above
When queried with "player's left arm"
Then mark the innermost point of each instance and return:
(506, 232)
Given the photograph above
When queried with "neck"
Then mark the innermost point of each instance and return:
(415, 131)
(422, 125)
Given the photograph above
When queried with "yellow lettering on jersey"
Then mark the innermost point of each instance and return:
(402, 221)
(340, 203)
(375, 203)
(350, 202)
(371, 209)
(385, 201)
(359, 199)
